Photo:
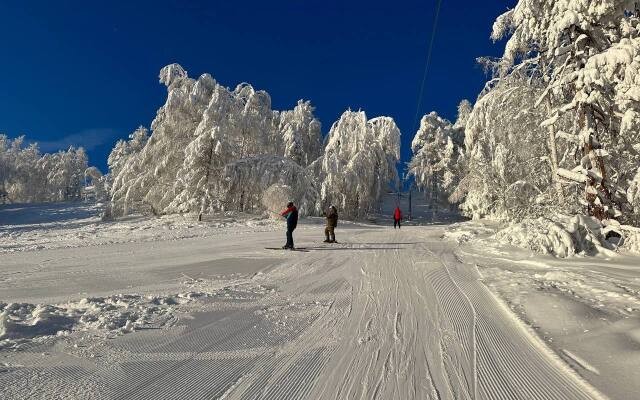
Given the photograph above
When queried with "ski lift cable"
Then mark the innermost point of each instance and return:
(428, 62)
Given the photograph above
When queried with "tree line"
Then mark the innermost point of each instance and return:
(556, 129)
(27, 175)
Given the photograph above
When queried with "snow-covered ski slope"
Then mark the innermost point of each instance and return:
(387, 314)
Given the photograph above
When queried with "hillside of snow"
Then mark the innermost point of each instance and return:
(85, 303)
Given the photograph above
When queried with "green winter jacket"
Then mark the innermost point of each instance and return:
(332, 218)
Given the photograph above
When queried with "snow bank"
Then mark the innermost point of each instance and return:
(597, 290)
(20, 322)
(563, 237)
(65, 225)
(117, 314)
(466, 231)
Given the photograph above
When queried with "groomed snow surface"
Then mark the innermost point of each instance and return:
(174, 308)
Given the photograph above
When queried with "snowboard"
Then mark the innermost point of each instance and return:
(304, 249)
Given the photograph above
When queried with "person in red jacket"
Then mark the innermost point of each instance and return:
(397, 216)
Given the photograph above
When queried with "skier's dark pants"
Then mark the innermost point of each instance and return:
(329, 233)
(396, 222)
(289, 238)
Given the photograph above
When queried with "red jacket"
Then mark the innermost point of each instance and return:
(397, 214)
(287, 211)
(291, 214)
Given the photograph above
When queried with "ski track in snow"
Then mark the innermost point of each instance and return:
(383, 315)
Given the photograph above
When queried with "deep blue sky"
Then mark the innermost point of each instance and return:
(87, 74)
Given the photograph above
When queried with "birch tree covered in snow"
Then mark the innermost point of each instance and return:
(97, 184)
(359, 163)
(124, 149)
(252, 177)
(301, 134)
(213, 149)
(149, 177)
(438, 158)
(28, 176)
(587, 54)
(199, 138)
(507, 173)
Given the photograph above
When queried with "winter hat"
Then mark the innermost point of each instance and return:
(290, 204)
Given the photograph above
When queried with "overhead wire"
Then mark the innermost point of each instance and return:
(428, 62)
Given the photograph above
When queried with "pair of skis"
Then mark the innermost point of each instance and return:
(304, 249)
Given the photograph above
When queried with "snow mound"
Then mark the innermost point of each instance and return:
(122, 313)
(465, 232)
(563, 237)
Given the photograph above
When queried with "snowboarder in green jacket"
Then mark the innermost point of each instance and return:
(332, 222)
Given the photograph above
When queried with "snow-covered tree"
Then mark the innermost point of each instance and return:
(633, 194)
(507, 174)
(7, 165)
(464, 112)
(359, 163)
(275, 197)
(149, 177)
(202, 129)
(247, 180)
(215, 149)
(28, 181)
(28, 176)
(66, 178)
(437, 153)
(123, 149)
(587, 54)
(97, 184)
(301, 134)
(5, 172)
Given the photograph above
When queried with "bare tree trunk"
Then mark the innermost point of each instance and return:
(595, 206)
(553, 153)
(206, 180)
